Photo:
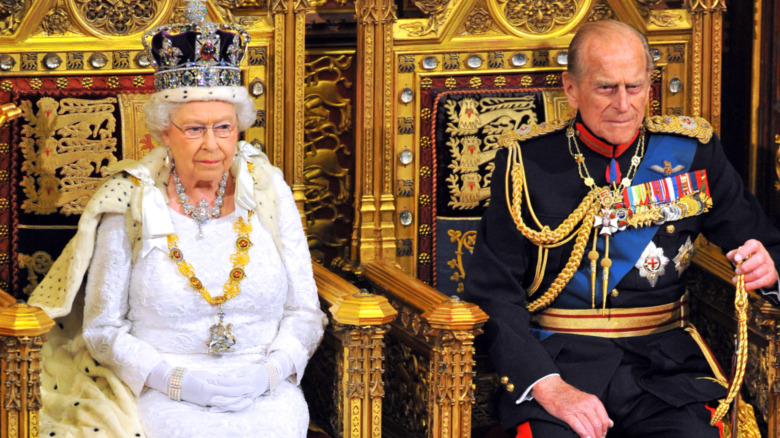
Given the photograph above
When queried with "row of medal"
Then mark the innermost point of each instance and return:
(655, 203)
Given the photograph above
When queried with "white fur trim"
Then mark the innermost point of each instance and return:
(190, 94)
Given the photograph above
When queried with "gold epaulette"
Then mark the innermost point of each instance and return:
(527, 132)
(695, 127)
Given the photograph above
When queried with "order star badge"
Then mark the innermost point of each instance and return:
(684, 256)
(652, 263)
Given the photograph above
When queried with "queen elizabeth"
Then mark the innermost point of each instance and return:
(199, 293)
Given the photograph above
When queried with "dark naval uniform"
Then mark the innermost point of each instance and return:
(636, 377)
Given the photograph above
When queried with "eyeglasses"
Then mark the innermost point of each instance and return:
(194, 132)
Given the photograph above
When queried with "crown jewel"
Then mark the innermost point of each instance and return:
(198, 53)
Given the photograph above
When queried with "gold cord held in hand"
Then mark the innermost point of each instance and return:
(740, 304)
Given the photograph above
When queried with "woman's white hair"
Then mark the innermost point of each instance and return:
(165, 103)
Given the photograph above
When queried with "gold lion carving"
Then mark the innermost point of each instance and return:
(474, 129)
(65, 144)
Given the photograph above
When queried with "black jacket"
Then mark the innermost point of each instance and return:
(503, 266)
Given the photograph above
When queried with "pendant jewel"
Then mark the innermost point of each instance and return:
(221, 337)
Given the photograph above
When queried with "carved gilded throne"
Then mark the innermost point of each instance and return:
(75, 75)
(454, 79)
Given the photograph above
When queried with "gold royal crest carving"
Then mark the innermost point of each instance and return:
(64, 144)
(474, 129)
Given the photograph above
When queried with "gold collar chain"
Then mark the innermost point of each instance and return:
(582, 168)
(608, 198)
(221, 338)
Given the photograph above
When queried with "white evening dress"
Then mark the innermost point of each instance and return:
(138, 314)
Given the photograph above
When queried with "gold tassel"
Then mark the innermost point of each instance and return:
(606, 262)
(593, 256)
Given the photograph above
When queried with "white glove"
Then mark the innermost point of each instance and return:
(283, 362)
(204, 388)
(257, 375)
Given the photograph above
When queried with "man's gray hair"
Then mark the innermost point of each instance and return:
(592, 30)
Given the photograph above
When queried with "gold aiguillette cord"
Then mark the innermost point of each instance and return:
(606, 262)
(593, 256)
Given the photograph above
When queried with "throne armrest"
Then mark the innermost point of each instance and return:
(23, 331)
(434, 342)
(353, 351)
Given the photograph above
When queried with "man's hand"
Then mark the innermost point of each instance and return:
(583, 412)
(757, 266)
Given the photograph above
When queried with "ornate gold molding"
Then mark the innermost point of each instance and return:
(374, 233)
(534, 19)
(716, 68)
(368, 12)
(119, 18)
(697, 5)
(57, 21)
(451, 392)
(387, 200)
(696, 61)
(327, 128)
(8, 112)
(478, 21)
(602, 11)
(11, 14)
(437, 12)
(360, 322)
(446, 329)
(363, 387)
(22, 334)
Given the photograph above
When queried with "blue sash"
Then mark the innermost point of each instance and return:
(626, 246)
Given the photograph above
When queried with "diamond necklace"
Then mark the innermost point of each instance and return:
(202, 213)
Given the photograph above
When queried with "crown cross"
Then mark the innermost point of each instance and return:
(208, 48)
(169, 55)
(234, 51)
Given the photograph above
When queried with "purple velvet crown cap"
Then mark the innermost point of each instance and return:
(196, 54)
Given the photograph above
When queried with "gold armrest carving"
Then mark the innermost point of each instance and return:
(22, 334)
(441, 330)
(359, 323)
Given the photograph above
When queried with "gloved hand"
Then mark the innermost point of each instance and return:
(204, 388)
(257, 375)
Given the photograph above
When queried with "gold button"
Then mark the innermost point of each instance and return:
(504, 380)
(510, 387)
(669, 229)
(614, 293)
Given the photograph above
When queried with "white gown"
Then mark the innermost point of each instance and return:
(139, 314)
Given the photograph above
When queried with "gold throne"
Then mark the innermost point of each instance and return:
(454, 79)
(74, 76)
